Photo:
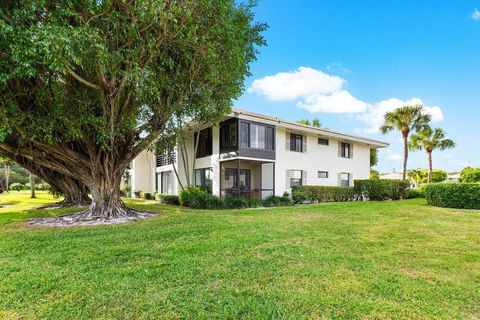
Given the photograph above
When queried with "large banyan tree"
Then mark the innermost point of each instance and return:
(86, 85)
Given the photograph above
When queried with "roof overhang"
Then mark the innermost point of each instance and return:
(288, 125)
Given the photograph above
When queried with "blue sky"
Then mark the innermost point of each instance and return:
(347, 62)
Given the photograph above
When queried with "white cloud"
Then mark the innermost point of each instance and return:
(301, 83)
(374, 116)
(476, 14)
(317, 91)
(338, 102)
(313, 89)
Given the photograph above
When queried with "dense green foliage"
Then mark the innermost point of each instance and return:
(351, 260)
(18, 187)
(470, 175)
(374, 174)
(194, 197)
(373, 157)
(146, 195)
(322, 194)
(414, 193)
(168, 199)
(454, 195)
(421, 176)
(87, 85)
(383, 189)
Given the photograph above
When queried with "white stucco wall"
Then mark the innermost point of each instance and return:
(143, 172)
(319, 158)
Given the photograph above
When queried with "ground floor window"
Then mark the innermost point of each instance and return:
(345, 179)
(204, 179)
(296, 178)
(165, 182)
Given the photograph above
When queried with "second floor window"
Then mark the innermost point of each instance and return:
(346, 150)
(296, 142)
(229, 135)
(204, 147)
(256, 136)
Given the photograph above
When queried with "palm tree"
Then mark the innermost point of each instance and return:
(430, 140)
(404, 119)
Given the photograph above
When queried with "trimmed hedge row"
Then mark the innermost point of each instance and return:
(378, 190)
(453, 195)
(322, 194)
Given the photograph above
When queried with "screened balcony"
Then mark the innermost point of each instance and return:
(247, 178)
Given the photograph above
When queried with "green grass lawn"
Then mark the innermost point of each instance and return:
(401, 260)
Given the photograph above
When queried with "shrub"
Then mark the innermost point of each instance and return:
(454, 195)
(273, 201)
(196, 198)
(146, 195)
(137, 194)
(18, 187)
(42, 186)
(378, 190)
(414, 193)
(322, 193)
(188, 195)
(470, 175)
(168, 199)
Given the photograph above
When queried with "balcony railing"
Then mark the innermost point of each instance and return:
(165, 159)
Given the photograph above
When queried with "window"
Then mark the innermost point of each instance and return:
(346, 150)
(296, 142)
(229, 135)
(203, 179)
(165, 182)
(256, 136)
(345, 179)
(204, 147)
(296, 178)
(323, 142)
(323, 174)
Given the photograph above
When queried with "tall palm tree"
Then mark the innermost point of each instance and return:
(406, 119)
(430, 140)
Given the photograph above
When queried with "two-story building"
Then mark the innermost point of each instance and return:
(253, 155)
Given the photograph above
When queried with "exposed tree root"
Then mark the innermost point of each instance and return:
(91, 217)
(64, 204)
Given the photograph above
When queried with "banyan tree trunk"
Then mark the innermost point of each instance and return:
(74, 191)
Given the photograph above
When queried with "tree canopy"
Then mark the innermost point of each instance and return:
(314, 123)
(429, 140)
(405, 119)
(86, 85)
